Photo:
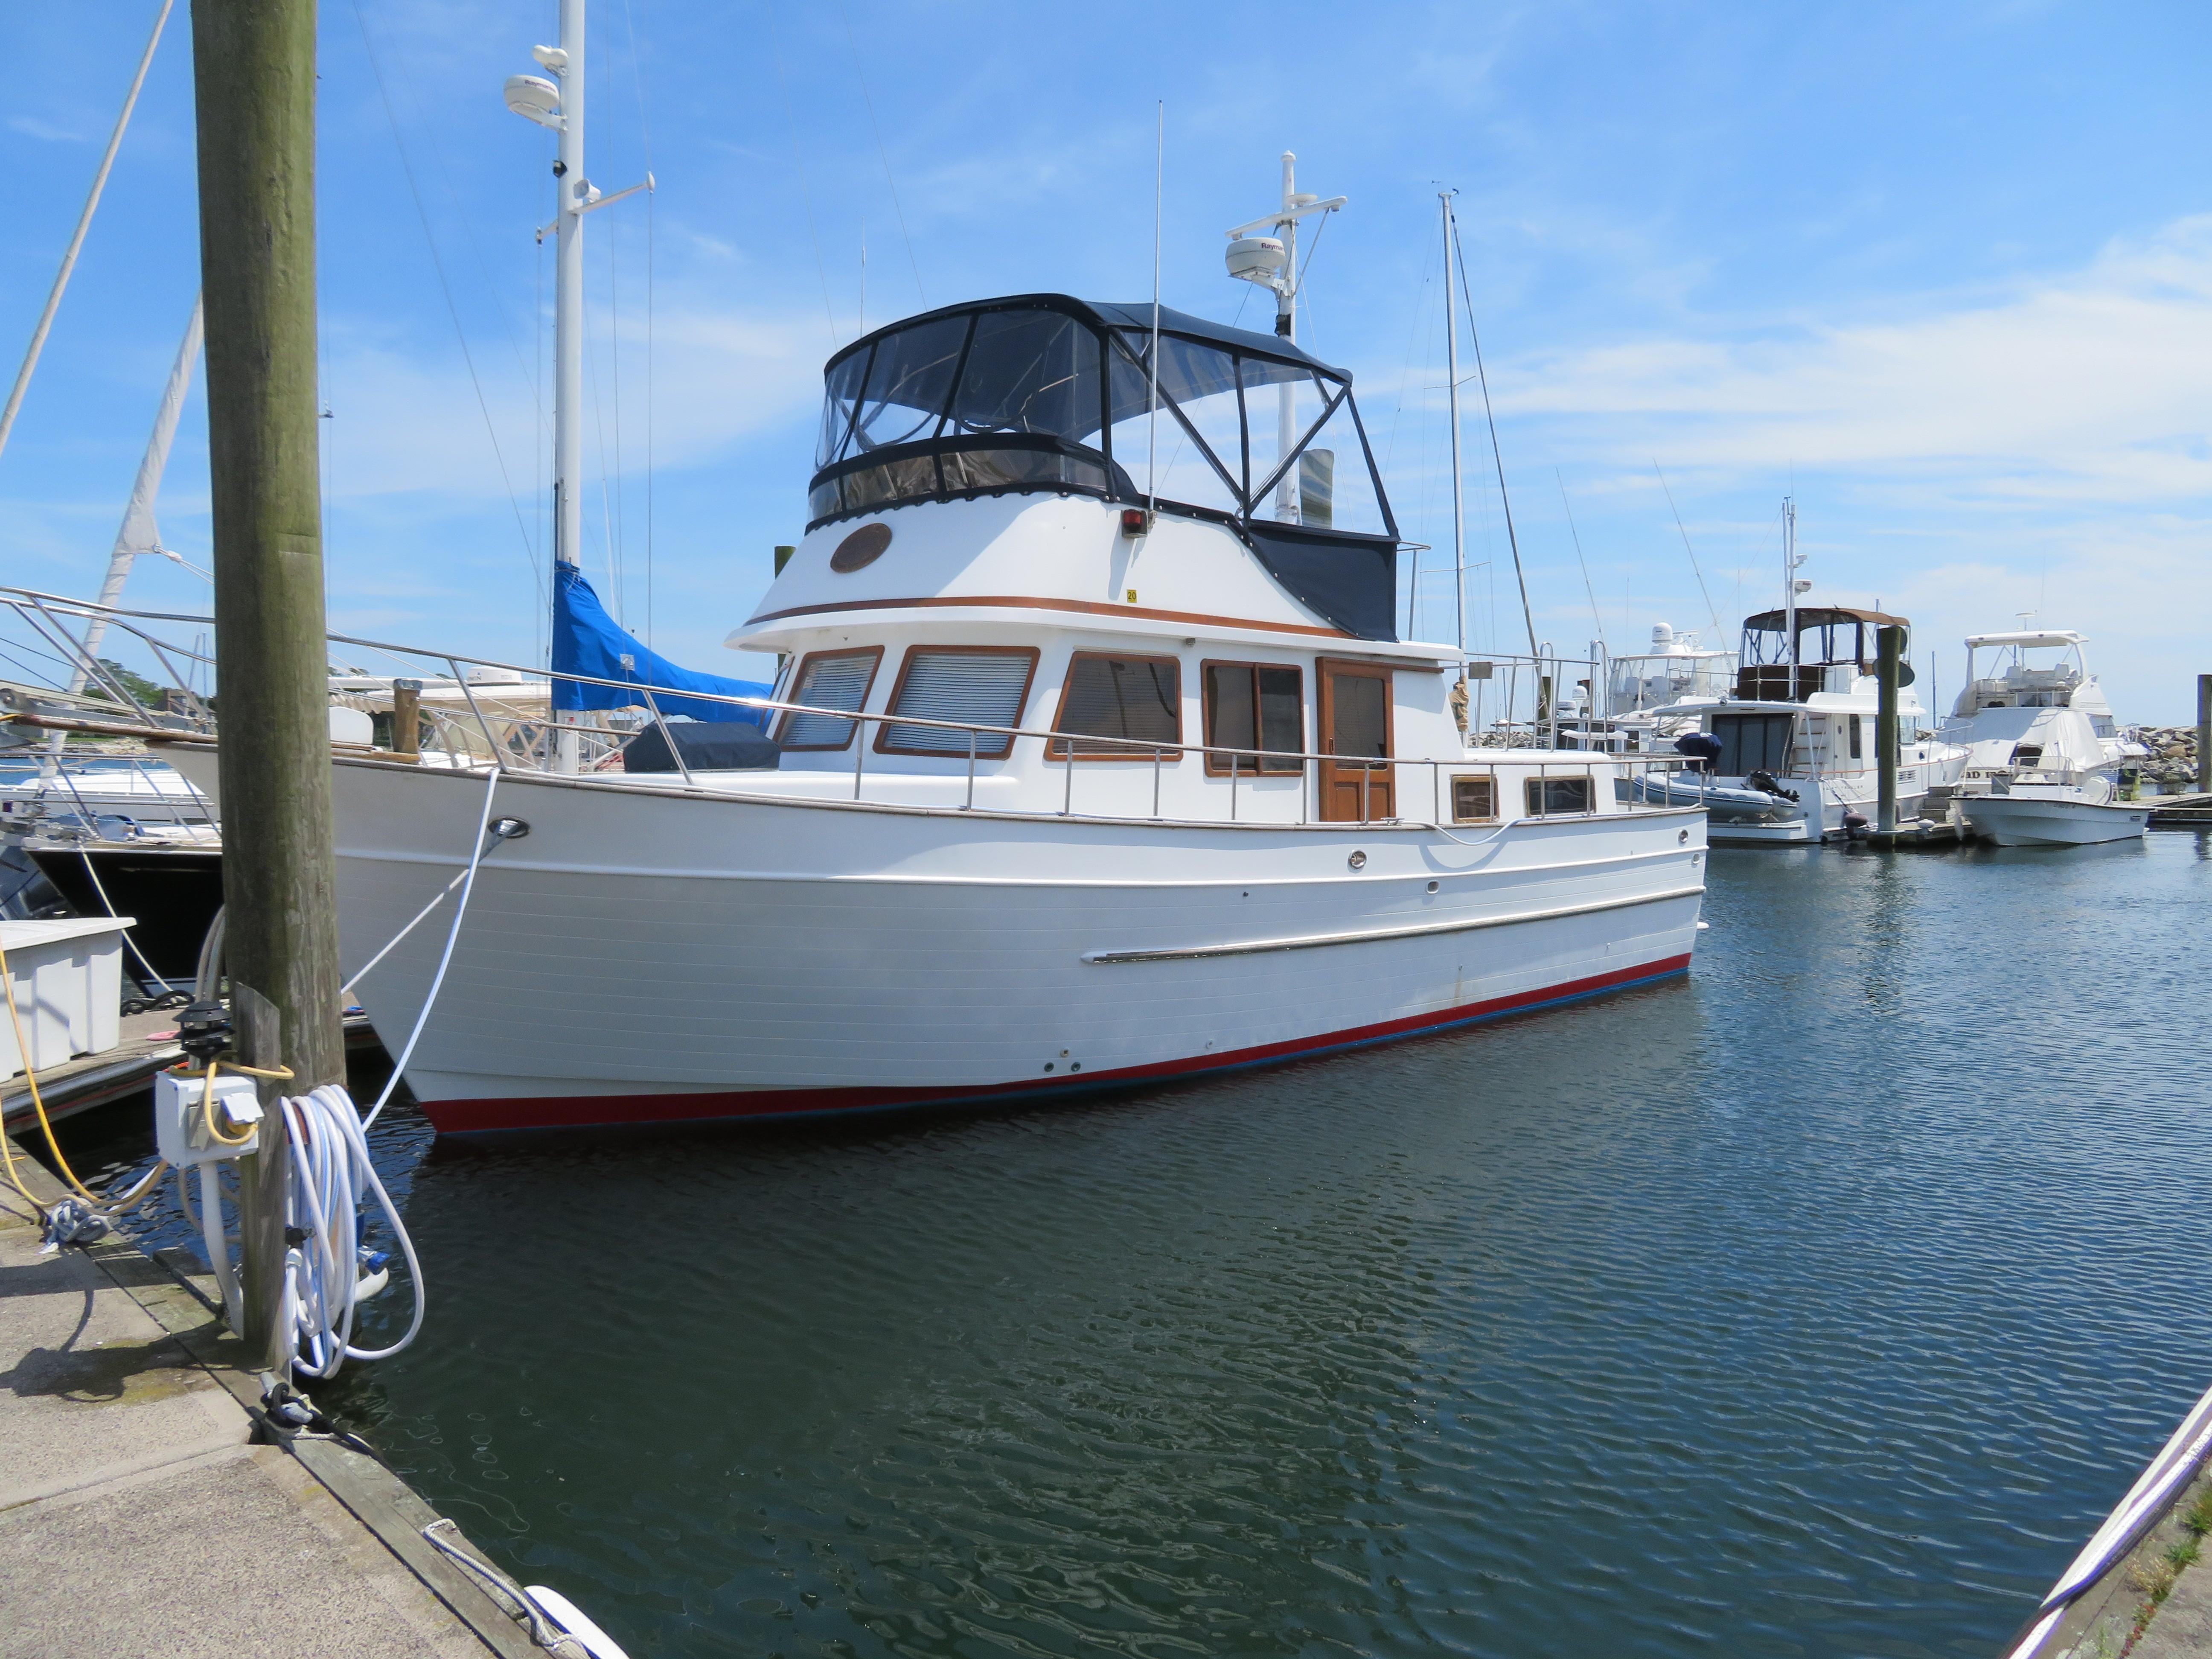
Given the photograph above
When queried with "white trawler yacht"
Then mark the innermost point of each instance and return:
(2042, 749)
(1066, 791)
(1080, 770)
(1789, 757)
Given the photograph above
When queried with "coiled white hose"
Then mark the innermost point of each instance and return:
(332, 1176)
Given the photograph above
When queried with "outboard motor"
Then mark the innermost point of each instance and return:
(1768, 782)
(1703, 747)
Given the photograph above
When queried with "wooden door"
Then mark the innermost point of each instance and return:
(1355, 723)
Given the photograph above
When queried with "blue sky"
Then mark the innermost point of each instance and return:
(1944, 273)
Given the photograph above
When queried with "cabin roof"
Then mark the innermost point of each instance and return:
(1101, 313)
(1820, 615)
(2056, 637)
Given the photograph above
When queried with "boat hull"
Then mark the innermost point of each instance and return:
(2025, 821)
(649, 954)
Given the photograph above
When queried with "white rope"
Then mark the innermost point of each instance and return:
(452, 934)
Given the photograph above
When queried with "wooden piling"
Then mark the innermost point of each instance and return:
(407, 719)
(2205, 734)
(1889, 649)
(253, 71)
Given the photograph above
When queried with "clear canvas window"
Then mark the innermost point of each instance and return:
(909, 383)
(1190, 453)
(1137, 698)
(973, 684)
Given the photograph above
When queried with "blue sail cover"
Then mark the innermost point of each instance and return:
(587, 641)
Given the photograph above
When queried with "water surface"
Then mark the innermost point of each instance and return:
(1821, 1303)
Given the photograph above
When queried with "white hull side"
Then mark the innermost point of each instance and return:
(646, 955)
(2022, 821)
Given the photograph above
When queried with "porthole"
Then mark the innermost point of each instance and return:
(1684, 838)
(1358, 860)
(1434, 885)
(861, 548)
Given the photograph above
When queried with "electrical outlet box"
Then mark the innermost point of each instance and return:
(180, 1120)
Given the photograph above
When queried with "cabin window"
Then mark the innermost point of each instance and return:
(1255, 706)
(829, 679)
(974, 685)
(1549, 796)
(1474, 800)
(1139, 698)
(2028, 754)
(1752, 743)
(1857, 752)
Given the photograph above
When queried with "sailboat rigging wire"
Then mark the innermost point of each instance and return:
(77, 238)
(460, 334)
(1581, 561)
(868, 100)
(1687, 548)
(446, 959)
(1498, 454)
(806, 189)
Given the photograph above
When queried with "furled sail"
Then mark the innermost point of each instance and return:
(587, 641)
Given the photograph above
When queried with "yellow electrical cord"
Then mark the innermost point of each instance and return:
(39, 1105)
(282, 1074)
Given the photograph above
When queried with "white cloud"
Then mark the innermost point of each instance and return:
(2087, 386)
(406, 424)
(31, 127)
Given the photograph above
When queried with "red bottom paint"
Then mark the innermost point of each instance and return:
(461, 1117)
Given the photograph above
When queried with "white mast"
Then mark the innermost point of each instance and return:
(561, 107)
(138, 532)
(1790, 561)
(1273, 262)
(1451, 381)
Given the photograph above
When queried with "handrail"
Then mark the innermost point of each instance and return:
(498, 754)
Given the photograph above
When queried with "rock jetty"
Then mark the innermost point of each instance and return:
(2172, 757)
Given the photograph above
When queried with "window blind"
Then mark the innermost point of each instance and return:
(981, 687)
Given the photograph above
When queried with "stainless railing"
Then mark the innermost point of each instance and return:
(523, 741)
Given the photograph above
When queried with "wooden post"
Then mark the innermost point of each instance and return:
(254, 72)
(407, 719)
(2205, 734)
(1889, 650)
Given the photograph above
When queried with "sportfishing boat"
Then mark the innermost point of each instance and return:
(2043, 751)
(1094, 755)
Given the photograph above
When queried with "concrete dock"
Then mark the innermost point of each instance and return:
(138, 1514)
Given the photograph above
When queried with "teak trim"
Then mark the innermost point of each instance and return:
(1140, 748)
(1002, 744)
(874, 652)
(1084, 607)
(1217, 766)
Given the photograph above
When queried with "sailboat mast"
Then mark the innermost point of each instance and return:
(572, 193)
(139, 532)
(1451, 384)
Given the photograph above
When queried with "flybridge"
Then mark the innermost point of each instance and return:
(1041, 393)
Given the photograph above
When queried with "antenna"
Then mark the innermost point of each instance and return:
(1451, 384)
(1152, 362)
